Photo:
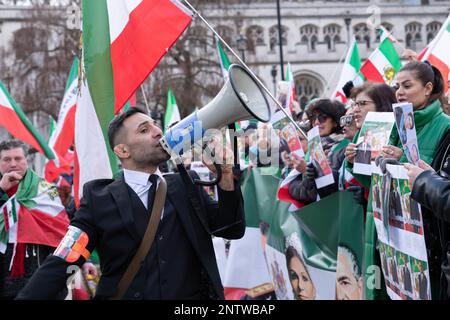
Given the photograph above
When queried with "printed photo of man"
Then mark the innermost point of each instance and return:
(349, 281)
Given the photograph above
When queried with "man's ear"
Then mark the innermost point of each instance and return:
(121, 150)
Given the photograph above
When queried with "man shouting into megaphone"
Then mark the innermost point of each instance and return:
(152, 243)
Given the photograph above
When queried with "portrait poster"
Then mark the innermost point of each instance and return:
(313, 251)
(288, 132)
(404, 119)
(284, 94)
(318, 158)
(374, 134)
(401, 237)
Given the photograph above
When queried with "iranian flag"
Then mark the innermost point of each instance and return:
(140, 34)
(223, 59)
(438, 51)
(172, 113)
(122, 42)
(349, 71)
(290, 78)
(14, 120)
(35, 213)
(383, 64)
(246, 269)
(283, 191)
(62, 137)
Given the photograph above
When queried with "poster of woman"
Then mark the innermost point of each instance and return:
(318, 159)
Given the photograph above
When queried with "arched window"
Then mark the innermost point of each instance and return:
(198, 38)
(255, 36)
(413, 33)
(273, 35)
(332, 34)
(362, 34)
(227, 33)
(432, 30)
(389, 27)
(308, 35)
(307, 87)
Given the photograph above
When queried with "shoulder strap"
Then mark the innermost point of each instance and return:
(146, 243)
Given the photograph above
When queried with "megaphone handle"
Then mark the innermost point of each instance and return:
(212, 182)
(235, 144)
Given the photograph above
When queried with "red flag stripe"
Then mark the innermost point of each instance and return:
(371, 73)
(13, 124)
(442, 66)
(40, 228)
(153, 27)
(5, 218)
(65, 138)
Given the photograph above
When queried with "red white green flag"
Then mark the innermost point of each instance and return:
(34, 214)
(290, 78)
(172, 114)
(140, 34)
(62, 137)
(223, 59)
(384, 63)
(438, 51)
(122, 42)
(14, 120)
(349, 71)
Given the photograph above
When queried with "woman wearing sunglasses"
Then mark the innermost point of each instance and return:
(324, 114)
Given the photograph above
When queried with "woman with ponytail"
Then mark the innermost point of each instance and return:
(422, 85)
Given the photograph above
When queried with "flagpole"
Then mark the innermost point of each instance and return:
(247, 68)
(335, 70)
(145, 100)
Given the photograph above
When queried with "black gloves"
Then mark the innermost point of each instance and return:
(347, 88)
(358, 195)
(311, 172)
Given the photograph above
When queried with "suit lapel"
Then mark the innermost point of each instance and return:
(182, 207)
(121, 196)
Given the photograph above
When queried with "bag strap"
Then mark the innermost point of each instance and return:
(146, 243)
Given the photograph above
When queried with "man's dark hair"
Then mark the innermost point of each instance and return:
(116, 125)
(13, 144)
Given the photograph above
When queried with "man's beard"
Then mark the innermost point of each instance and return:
(153, 158)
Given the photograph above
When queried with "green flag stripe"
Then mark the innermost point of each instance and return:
(355, 60)
(169, 108)
(40, 140)
(388, 50)
(73, 73)
(224, 61)
(97, 63)
(448, 27)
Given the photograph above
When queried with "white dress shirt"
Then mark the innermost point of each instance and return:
(138, 181)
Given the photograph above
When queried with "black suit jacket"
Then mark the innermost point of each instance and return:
(106, 215)
(363, 156)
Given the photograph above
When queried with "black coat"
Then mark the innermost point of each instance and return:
(106, 215)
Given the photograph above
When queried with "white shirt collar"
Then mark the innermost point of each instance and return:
(138, 177)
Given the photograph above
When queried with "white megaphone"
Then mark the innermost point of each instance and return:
(241, 98)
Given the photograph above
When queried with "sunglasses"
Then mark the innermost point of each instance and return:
(320, 117)
(346, 120)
